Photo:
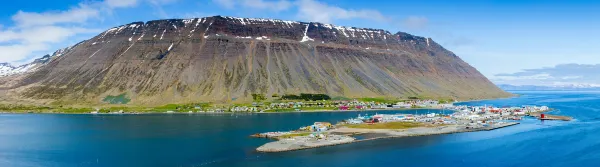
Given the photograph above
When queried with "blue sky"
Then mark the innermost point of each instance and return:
(510, 41)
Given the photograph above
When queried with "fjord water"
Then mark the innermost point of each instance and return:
(222, 139)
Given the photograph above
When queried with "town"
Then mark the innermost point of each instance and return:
(459, 119)
(319, 105)
(288, 103)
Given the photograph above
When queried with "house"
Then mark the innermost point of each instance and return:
(354, 121)
(400, 117)
(473, 117)
(319, 126)
(402, 105)
(431, 115)
(519, 112)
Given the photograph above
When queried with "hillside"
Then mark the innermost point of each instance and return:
(226, 59)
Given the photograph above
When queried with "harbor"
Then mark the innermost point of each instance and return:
(460, 119)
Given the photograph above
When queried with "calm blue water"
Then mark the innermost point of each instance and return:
(222, 140)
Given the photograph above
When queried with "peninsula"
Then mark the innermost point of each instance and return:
(379, 126)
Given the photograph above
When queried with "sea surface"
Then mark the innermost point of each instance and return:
(182, 140)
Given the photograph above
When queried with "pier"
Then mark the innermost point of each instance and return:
(541, 116)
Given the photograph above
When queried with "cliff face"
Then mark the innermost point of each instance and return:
(224, 58)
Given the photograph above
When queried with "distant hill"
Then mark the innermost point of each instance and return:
(222, 59)
(582, 87)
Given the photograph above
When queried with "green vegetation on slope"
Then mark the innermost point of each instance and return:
(119, 99)
(379, 100)
(306, 96)
(258, 97)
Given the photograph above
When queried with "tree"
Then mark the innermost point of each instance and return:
(258, 97)
(290, 97)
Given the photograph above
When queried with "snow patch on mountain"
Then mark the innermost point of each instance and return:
(306, 38)
(7, 69)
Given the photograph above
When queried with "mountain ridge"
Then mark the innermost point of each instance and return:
(225, 58)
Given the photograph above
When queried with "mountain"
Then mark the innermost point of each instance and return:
(568, 87)
(7, 69)
(226, 59)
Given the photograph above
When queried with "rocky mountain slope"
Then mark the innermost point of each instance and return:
(226, 59)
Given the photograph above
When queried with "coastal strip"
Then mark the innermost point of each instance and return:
(342, 136)
(460, 119)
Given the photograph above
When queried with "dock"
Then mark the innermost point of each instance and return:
(550, 117)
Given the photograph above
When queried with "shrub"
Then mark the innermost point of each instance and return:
(258, 97)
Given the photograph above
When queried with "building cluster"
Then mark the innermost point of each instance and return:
(243, 109)
(345, 105)
(335, 104)
(317, 127)
(465, 115)
(479, 113)
(383, 118)
(358, 105)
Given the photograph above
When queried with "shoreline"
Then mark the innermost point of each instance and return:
(302, 111)
(150, 112)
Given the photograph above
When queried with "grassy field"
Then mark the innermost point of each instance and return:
(303, 109)
(119, 99)
(294, 135)
(388, 125)
(379, 100)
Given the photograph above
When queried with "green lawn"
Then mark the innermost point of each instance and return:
(379, 100)
(387, 125)
(294, 135)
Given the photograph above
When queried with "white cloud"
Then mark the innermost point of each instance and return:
(194, 15)
(35, 32)
(308, 10)
(229, 4)
(416, 22)
(276, 6)
(312, 10)
(132, 3)
(158, 8)
(13, 53)
(22, 43)
(120, 3)
(559, 74)
(271, 5)
(78, 14)
(162, 2)
(41, 34)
